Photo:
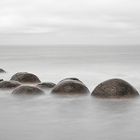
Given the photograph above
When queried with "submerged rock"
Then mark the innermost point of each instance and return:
(71, 87)
(46, 85)
(114, 88)
(25, 77)
(9, 84)
(2, 71)
(27, 90)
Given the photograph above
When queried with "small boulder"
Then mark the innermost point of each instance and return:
(2, 71)
(70, 87)
(9, 84)
(25, 77)
(115, 88)
(46, 85)
(27, 90)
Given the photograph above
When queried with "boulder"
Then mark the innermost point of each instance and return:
(25, 77)
(72, 78)
(46, 85)
(2, 71)
(70, 87)
(27, 90)
(115, 88)
(9, 84)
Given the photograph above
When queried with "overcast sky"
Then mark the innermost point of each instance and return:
(101, 22)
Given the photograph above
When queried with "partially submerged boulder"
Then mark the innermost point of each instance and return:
(2, 71)
(72, 78)
(70, 87)
(9, 84)
(25, 77)
(27, 90)
(115, 88)
(46, 85)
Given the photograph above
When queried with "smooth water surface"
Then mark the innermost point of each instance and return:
(70, 117)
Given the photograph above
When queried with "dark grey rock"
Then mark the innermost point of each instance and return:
(27, 90)
(2, 71)
(115, 88)
(46, 85)
(9, 84)
(72, 78)
(25, 77)
(1, 80)
(71, 87)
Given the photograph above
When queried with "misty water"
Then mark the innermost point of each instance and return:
(70, 117)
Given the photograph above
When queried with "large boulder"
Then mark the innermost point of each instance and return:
(2, 71)
(25, 77)
(70, 87)
(9, 84)
(71, 78)
(27, 90)
(115, 88)
(46, 85)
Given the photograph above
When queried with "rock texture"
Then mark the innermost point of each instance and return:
(2, 71)
(25, 77)
(27, 90)
(71, 87)
(115, 88)
(72, 78)
(9, 84)
(46, 85)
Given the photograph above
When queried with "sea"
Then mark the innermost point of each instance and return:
(51, 117)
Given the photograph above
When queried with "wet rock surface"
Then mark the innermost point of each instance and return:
(70, 87)
(46, 85)
(9, 84)
(71, 78)
(115, 88)
(25, 77)
(2, 71)
(27, 90)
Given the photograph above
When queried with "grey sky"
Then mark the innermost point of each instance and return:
(70, 22)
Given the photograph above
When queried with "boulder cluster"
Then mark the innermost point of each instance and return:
(24, 83)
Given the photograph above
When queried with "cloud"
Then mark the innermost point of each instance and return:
(61, 17)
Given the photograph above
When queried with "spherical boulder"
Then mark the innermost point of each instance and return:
(25, 77)
(70, 87)
(115, 88)
(46, 85)
(2, 71)
(72, 78)
(9, 84)
(27, 90)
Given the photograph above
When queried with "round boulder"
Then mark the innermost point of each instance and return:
(27, 90)
(25, 77)
(72, 78)
(9, 84)
(46, 85)
(2, 71)
(70, 87)
(115, 88)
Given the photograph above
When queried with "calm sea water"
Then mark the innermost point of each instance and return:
(70, 118)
